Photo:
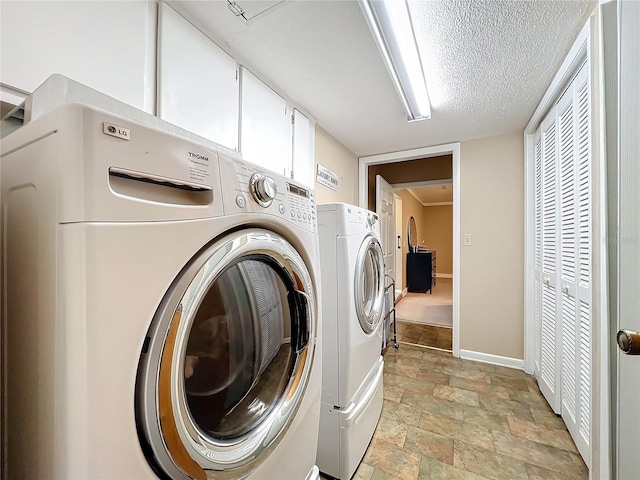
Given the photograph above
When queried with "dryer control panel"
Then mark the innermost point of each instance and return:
(358, 220)
(250, 188)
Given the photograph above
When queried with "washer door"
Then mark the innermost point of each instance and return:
(227, 358)
(369, 284)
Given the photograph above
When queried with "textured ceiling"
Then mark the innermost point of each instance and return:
(487, 63)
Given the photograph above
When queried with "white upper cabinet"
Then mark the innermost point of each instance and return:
(197, 81)
(109, 46)
(125, 48)
(265, 126)
(303, 148)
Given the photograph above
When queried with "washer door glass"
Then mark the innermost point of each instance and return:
(369, 284)
(231, 355)
(238, 352)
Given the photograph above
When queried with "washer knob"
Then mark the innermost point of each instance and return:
(263, 189)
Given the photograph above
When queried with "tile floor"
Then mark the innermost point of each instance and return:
(446, 418)
(424, 335)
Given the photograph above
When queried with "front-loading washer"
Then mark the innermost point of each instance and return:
(160, 306)
(352, 265)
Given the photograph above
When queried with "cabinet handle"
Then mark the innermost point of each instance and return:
(399, 243)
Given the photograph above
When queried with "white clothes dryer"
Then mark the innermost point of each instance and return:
(352, 302)
(161, 306)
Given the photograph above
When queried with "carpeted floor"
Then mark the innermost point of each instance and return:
(428, 308)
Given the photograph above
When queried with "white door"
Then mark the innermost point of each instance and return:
(575, 258)
(384, 209)
(627, 401)
(563, 259)
(549, 379)
(400, 242)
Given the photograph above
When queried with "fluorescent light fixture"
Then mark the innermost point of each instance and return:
(391, 27)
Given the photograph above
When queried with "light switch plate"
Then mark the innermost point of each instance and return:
(467, 240)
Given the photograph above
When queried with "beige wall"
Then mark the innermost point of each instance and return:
(437, 231)
(332, 154)
(410, 206)
(491, 269)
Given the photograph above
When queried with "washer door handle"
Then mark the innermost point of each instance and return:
(300, 305)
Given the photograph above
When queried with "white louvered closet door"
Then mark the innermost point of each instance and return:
(568, 218)
(575, 294)
(583, 200)
(563, 259)
(549, 379)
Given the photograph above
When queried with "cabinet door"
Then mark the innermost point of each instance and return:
(303, 148)
(419, 272)
(197, 81)
(109, 46)
(266, 130)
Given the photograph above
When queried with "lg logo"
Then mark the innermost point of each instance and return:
(116, 131)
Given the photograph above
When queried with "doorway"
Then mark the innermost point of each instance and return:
(430, 204)
(440, 172)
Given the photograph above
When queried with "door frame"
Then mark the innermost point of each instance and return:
(620, 21)
(452, 149)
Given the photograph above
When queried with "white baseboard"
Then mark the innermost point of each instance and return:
(444, 275)
(509, 362)
(400, 294)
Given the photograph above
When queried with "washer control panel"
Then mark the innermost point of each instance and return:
(259, 190)
(263, 189)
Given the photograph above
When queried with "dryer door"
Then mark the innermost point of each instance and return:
(369, 284)
(227, 358)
